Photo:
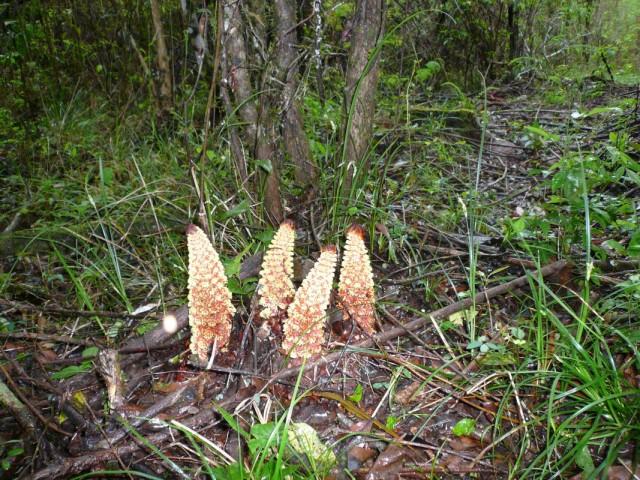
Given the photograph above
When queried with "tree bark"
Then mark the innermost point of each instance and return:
(165, 89)
(295, 140)
(361, 84)
(238, 79)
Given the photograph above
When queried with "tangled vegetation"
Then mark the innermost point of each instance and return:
(491, 151)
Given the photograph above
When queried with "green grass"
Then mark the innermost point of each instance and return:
(591, 408)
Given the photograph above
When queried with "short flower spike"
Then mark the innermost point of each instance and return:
(355, 288)
(210, 307)
(304, 326)
(276, 285)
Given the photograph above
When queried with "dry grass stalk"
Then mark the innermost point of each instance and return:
(210, 307)
(304, 326)
(275, 285)
(356, 296)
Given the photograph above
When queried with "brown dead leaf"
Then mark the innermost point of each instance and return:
(619, 472)
(463, 443)
(46, 355)
(631, 374)
(380, 228)
(407, 393)
(361, 454)
(388, 464)
(457, 464)
(362, 426)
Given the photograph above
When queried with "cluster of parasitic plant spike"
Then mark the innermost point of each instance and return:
(302, 312)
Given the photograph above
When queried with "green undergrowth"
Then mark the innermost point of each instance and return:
(101, 209)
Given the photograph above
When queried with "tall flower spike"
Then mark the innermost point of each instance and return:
(275, 285)
(304, 326)
(355, 288)
(210, 307)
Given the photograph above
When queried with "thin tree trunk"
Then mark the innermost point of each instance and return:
(219, 62)
(361, 84)
(165, 89)
(238, 79)
(295, 140)
(512, 22)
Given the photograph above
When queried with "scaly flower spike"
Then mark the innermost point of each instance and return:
(276, 286)
(355, 289)
(304, 326)
(210, 307)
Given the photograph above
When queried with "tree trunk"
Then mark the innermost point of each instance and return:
(165, 89)
(361, 84)
(514, 34)
(295, 140)
(259, 137)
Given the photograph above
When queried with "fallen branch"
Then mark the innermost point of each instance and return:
(71, 465)
(45, 337)
(27, 307)
(151, 412)
(160, 334)
(18, 410)
(387, 335)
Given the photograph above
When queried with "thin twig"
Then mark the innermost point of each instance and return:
(45, 337)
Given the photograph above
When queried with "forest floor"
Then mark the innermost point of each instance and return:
(508, 316)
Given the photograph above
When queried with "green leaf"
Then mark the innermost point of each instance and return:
(71, 371)
(89, 352)
(447, 325)
(228, 417)
(15, 451)
(614, 245)
(107, 176)
(232, 267)
(584, 460)
(475, 344)
(235, 471)
(429, 70)
(542, 133)
(518, 225)
(356, 396)
(464, 427)
(265, 165)
(114, 329)
(261, 436)
(266, 236)
(598, 110)
(304, 440)
(239, 287)
(498, 359)
(632, 176)
(6, 325)
(239, 209)
(517, 333)
(343, 10)
(391, 422)
(634, 244)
